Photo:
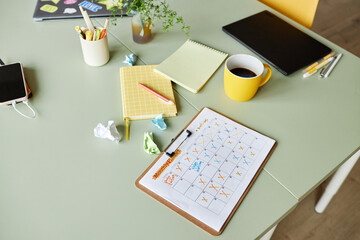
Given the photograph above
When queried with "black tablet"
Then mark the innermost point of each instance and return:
(282, 45)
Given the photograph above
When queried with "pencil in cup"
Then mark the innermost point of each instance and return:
(95, 53)
(103, 32)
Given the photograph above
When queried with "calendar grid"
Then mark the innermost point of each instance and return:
(215, 188)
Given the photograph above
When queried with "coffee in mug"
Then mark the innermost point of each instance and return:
(243, 75)
(243, 72)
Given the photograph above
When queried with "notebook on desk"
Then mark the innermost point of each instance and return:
(192, 65)
(138, 103)
(285, 47)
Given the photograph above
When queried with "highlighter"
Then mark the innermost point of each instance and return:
(98, 31)
(89, 35)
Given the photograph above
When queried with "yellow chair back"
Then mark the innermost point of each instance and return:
(301, 11)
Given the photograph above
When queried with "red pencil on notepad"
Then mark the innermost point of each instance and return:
(166, 100)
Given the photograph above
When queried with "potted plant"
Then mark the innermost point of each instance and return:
(145, 12)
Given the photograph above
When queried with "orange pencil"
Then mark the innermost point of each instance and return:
(103, 32)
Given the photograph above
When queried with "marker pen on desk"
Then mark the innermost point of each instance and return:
(332, 65)
(314, 69)
(319, 62)
(166, 100)
(326, 69)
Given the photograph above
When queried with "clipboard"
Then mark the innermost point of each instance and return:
(173, 153)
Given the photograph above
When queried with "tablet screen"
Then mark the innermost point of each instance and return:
(285, 47)
(12, 85)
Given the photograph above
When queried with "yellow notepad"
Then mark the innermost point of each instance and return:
(139, 103)
(192, 65)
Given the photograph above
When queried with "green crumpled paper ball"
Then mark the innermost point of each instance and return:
(149, 144)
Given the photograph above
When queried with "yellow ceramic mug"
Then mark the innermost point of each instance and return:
(244, 88)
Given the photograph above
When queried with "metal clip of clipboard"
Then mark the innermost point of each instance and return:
(178, 142)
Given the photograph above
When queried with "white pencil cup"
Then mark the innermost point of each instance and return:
(95, 53)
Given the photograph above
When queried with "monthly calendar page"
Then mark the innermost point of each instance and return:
(211, 169)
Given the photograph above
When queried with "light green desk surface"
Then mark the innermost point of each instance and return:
(315, 121)
(57, 181)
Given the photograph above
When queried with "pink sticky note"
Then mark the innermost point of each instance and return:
(70, 2)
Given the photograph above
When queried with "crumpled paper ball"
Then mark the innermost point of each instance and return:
(109, 132)
(130, 59)
(149, 144)
(159, 122)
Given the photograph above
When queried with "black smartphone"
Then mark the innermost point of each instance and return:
(12, 84)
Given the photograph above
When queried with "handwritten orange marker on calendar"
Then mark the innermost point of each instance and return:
(166, 100)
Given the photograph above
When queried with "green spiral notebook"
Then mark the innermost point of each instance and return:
(192, 65)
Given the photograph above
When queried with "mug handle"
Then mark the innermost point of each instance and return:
(267, 76)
